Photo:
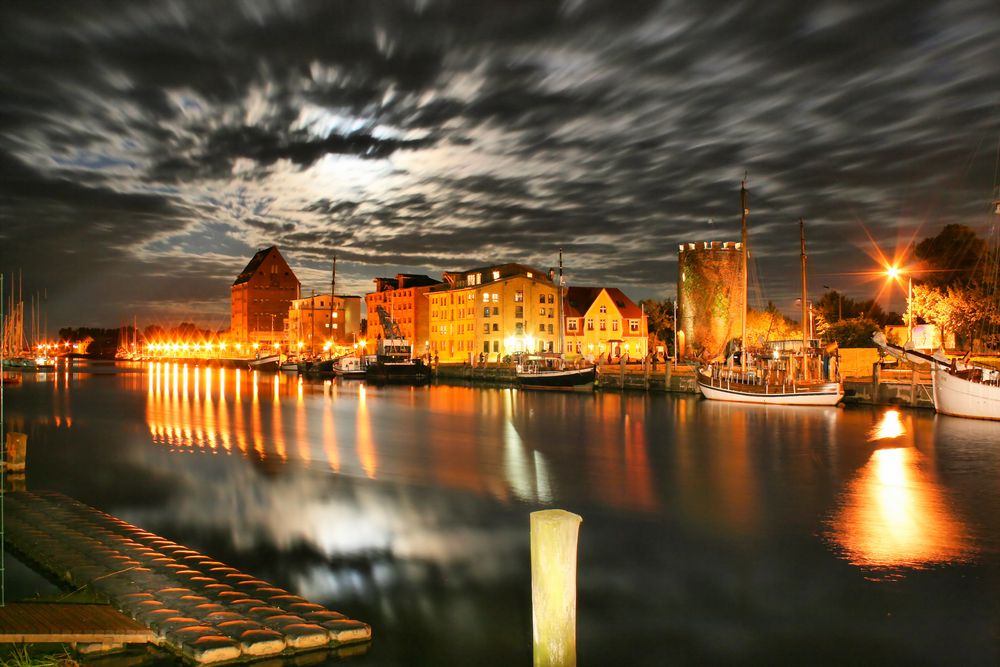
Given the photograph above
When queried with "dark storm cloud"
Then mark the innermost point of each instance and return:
(432, 136)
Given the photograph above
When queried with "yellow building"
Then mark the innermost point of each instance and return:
(491, 311)
(602, 321)
(317, 324)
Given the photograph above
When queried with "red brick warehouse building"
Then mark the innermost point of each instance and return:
(261, 297)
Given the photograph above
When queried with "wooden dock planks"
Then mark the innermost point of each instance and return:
(69, 623)
(199, 607)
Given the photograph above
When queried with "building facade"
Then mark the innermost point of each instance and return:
(320, 323)
(404, 299)
(260, 298)
(711, 297)
(602, 321)
(492, 311)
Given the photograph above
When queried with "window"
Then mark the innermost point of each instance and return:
(486, 297)
(590, 324)
(604, 309)
(550, 312)
(495, 298)
(519, 328)
(541, 298)
(614, 325)
(571, 324)
(633, 326)
(470, 296)
(486, 328)
(519, 296)
(486, 346)
(486, 311)
(604, 325)
(496, 327)
(541, 328)
(541, 311)
(550, 328)
(496, 346)
(519, 311)
(496, 275)
(496, 311)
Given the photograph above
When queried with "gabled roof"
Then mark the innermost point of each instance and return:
(255, 263)
(455, 279)
(580, 299)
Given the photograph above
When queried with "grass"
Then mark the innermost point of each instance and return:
(24, 655)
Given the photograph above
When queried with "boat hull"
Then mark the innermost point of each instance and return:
(265, 364)
(958, 397)
(413, 373)
(827, 393)
(575, 379)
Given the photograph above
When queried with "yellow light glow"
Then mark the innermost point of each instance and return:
(892, 272)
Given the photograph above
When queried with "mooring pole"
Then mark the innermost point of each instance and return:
(554, 535)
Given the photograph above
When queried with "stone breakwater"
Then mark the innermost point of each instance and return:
(195, 605)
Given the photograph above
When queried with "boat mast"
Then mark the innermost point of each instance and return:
(562, 323)
(745, 211)
(333, 290)
(805, 307)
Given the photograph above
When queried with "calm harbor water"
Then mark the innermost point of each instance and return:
(712, 534)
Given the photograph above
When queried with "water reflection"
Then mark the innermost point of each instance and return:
(894, 514)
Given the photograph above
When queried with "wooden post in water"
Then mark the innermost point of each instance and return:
(554, 536)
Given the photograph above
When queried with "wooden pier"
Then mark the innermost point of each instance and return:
(85, 627)
(190, 603)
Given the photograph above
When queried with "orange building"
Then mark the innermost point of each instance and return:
(493, 311)
(602, 321)
(403, 297)
(260, 298)
(318, 324)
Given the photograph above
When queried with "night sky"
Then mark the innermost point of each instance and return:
(148, 149)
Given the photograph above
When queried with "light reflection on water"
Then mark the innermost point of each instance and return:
(407, 507)
(893, 514)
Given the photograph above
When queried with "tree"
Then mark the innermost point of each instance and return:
(952, 257)
(855, 332)
(660, 321)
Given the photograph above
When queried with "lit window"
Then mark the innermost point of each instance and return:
(552, 299)
(541, 311)
(496, 275)
(518, 296)
(486, 297)
(495, 298)
(486, 328)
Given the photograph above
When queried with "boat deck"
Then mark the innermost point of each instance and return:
(190, 603)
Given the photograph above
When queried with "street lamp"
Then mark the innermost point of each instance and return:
(893, 273)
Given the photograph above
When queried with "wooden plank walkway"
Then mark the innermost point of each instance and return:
(69, 623)
(195, 605)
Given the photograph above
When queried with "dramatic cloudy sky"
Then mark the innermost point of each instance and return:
(147, 149)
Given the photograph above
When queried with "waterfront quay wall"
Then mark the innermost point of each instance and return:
(614, 377)
(886, 387)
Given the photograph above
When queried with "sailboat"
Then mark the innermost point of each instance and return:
(793, 378)
(549, 371)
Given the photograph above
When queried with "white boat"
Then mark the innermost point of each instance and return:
(740, 388)
(973, 392)
(350, 367)
(785, 376)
